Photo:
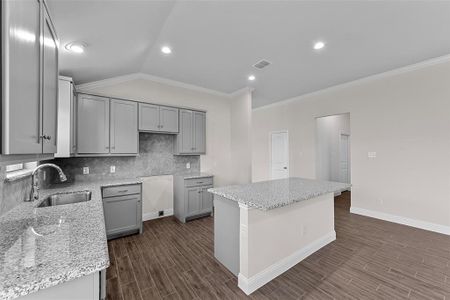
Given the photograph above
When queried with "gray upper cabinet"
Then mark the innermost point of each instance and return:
(199, 132)
(148, 117)
(168, 119)
(185, 138)
(192, 136)
(124, 131)
(50, 85)
(106, 126)
(29, 78)
(92, 124)
(158, 118)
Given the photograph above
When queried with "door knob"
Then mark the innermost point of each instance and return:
(285, 168)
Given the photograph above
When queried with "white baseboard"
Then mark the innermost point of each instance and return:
(401, 220)
(249, 285)
(154, 215)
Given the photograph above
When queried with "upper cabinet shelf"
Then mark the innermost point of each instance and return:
(157, 118)
(106, 126)
(30, 78)
(192, 137)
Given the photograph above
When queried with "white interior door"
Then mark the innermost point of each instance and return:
(344, 158)
(280, 154)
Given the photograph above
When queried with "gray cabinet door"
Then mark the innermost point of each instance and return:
(199, 125)
(124, 131)
(148, 117)
(49, 85)
(92, 124)
(193, 203)
(185, 137)
(207, 199)
(122, 213)
(21, 120)
(168, 119)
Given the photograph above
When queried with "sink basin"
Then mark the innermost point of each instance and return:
(66, 198)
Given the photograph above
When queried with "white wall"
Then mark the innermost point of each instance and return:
(218, 131)
(328, 134)
(241, 111)
(403, 116)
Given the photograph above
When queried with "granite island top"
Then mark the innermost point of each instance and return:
(43, 247)
(266, 195)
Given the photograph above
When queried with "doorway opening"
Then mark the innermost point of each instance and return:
(333, 157)
(279, 154)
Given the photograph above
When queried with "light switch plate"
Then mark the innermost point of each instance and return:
(188, 165)
(85, 170)
(112, 169)
(371, 154)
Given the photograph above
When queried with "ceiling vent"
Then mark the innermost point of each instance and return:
(261, 64)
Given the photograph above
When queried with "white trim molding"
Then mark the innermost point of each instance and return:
(393, 72)
(249, 285)
(401, 220)
(85, 87)
(154, 215)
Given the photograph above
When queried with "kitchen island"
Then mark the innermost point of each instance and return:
(263, 229)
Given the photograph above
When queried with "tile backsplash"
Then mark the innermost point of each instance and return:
(155, 158)
(12, 193)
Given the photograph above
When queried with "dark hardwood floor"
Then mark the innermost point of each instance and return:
(371, 259)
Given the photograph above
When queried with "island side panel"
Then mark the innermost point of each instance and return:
(273, 241)
(226, 233)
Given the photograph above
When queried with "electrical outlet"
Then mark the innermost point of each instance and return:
(112, 169)
(85, 170)
(160, 213)
(188, 165)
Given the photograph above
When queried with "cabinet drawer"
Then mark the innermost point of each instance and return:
(198, 181)
(121, 190)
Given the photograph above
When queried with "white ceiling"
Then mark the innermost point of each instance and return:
(215, 43)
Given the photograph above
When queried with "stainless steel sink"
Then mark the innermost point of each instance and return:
(66, 198)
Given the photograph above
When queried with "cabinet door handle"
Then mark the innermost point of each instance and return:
(122, 191)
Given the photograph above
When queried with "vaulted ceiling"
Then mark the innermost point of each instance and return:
(215, 43)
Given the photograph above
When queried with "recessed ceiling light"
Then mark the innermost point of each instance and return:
(251, 77)
(75, 47)
(319, 45)
(166, 50)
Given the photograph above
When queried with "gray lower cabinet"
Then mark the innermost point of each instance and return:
(191, 198)
(122, 206)
(192, 137)
(158, 118)
(123, 129)
(29, 78)
(106, 126)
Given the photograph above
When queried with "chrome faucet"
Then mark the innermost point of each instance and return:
(34, 194)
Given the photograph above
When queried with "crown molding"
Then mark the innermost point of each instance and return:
(390, 73)
(241, 91)
(134, 76)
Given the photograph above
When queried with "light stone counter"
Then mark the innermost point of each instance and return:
(193, 175)
(43, 247)
(263, 229)
(266, 195)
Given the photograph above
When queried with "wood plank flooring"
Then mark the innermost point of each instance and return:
(371, 259)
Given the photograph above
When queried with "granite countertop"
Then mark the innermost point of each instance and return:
(43, 247)
(266, 195)
(194, 175)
